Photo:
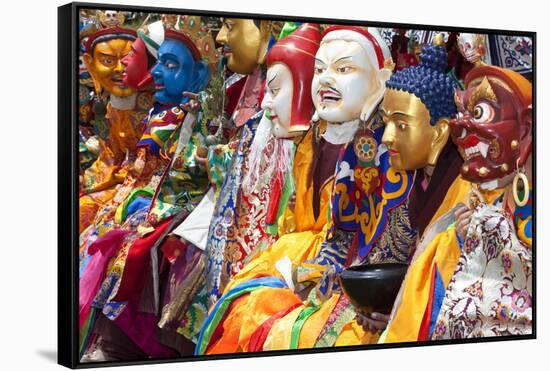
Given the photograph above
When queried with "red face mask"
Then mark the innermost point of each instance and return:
(492, 130)
(137, 74)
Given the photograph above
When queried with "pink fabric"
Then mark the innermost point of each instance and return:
(141, 328)
(101, 252)
(248, 101)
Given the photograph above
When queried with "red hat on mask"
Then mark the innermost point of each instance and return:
(297, 52)
(107, 34)
(368, 38)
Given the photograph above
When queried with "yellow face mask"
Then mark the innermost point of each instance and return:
(245, 45)
(411, 141)
(106, 68)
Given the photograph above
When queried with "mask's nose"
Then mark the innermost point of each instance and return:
(222, 36)
(327, 80)
(460, 125)
(388, 138)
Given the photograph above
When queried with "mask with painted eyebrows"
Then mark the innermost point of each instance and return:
(179, 69)
(288, 82)
(348, 83)
(493, 127)
(105, 50)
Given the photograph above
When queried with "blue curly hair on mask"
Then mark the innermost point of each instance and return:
(429, 83)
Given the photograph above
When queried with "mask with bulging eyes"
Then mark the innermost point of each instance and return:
(137, 63)
(493, 129)
(106, 68)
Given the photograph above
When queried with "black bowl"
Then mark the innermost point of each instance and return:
(373, 287)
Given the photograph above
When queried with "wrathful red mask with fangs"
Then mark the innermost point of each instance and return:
(493, 127)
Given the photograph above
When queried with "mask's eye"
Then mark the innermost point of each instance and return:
(483, 112)
(402, 126)
(319, 69)
(170, 64)
(344, 69)
(108, 61)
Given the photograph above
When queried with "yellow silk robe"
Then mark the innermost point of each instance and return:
(442, 250)
(252, 310)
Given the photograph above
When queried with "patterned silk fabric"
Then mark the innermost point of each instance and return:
(316, 262)
(175, 185)
(184, 183)
(223, 226)
(366, 189)
(490, 293)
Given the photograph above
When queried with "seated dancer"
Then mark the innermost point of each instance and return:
(415, 138)
(348, 85)
(116, 121)
(121, 319)
(268, 164)
(471, 274)
(490, 293)
(235, 222)
(238, 222)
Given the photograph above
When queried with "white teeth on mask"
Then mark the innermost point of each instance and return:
(483, 148)
(463, 133)
(471, 150)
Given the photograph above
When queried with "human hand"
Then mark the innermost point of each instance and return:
(201, 156)
(373, 322)
(192, 104)
(463, 217)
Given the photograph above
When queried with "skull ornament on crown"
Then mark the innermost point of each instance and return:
(349, 74)
(472, 47)
(110, 18)
(493, 127)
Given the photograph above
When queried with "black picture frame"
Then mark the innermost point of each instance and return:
(68, 275)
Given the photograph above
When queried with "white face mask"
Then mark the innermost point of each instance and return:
(344, 80)
(278, 99)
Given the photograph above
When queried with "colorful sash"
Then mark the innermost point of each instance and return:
(217, 313)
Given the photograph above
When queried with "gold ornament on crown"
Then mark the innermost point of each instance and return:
(193, 28)
(439, 40)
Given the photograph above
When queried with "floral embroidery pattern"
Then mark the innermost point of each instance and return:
(490, 292)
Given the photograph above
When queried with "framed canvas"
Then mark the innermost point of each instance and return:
(236, 185)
